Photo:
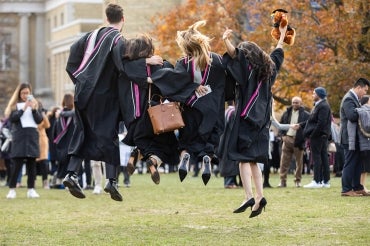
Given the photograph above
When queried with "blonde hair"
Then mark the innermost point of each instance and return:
(195, 44)
(16, 97)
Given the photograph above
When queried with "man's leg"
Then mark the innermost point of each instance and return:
(71, 180)
(111, 187)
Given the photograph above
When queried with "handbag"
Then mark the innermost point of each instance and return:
(166, 116)
(332, 148)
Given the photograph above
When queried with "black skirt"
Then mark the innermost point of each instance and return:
(365, 161)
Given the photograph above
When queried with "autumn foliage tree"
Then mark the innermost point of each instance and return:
(332, 47)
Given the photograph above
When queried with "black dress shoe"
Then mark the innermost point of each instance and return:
(153, 174)
(244, 206)
(257, 212)
(111, 188)
(71, 182)
(206, 175)
(184, 166)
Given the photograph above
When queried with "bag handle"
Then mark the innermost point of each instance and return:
(150, 85)
(150, 97)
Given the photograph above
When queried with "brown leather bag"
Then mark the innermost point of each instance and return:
(166, 116)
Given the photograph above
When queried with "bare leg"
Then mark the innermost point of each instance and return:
(246, 177)
(363, 180)
(257, 179)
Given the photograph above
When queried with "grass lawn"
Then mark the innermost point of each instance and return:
(187, 213)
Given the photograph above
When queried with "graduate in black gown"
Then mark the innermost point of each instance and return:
(94, 66)
(155, 148)
(203, 99)
(254, 72)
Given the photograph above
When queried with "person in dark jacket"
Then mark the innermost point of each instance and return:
(293, 141)
(351, 173)
(52, 147)
(318, 132)
(254, 72)
(62, 135)
(24, 115)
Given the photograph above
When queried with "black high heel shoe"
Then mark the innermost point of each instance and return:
(257, 212)
(184, 166)
(244, 206)
(153, 174)
(206, 175)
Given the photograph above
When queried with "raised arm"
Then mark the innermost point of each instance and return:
(229, 46)
(282, 36)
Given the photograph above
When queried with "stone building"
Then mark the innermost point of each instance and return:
(35, 37)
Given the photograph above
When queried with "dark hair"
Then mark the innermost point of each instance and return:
(68, 101)
(260, 60)
(364, 100)
(114, 13)
(23, 86)
(362, 82)
(140, 47)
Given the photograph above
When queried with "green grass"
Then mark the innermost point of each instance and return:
(188, 213)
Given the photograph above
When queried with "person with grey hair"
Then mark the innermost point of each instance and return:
(293, 141)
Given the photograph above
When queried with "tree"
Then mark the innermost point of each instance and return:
(331, 50)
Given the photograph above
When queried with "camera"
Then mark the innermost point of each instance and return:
(29, 98)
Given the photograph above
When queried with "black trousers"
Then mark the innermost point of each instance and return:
(319, 151)
(30, 168)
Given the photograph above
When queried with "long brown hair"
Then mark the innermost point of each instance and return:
(140, 47)
(195, 44)
(16, 98)
(260, 60)
(68, 101)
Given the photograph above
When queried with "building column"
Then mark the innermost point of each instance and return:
(23, 48)
(40, 52)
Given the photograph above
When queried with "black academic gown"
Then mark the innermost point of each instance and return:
(96, 97)
(249, 138)
(139, 128)
(204, 116)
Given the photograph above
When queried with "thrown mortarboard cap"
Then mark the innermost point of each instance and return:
(280, 10)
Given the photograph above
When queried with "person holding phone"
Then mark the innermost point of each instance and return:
(24, 114)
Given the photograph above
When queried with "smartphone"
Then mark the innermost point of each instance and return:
(209, 90)
(29, 97)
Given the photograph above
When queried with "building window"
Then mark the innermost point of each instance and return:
(55, 22)
(5, 48)
(62, 19)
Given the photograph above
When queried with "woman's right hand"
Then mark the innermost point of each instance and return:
(227, 34)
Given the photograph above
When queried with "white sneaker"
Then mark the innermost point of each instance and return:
(326, 185)
(97, 190)
(11, 194)
(313, 185)
(31, 193)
